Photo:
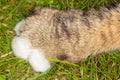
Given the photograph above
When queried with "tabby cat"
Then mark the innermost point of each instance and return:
(69, 35)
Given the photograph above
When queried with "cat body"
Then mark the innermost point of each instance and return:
(70, 35)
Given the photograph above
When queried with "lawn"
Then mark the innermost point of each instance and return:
(102, 67)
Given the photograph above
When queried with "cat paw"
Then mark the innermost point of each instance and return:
(38, 62)
(21, 47)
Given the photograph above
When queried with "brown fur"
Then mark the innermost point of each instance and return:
(73, 34)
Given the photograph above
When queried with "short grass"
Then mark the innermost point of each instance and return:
(102, 67)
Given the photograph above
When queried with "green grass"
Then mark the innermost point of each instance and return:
(102, 67)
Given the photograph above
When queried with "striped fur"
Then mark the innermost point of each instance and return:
(73, 34)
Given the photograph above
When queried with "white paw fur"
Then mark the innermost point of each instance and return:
(22, 48)
(38, 61)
